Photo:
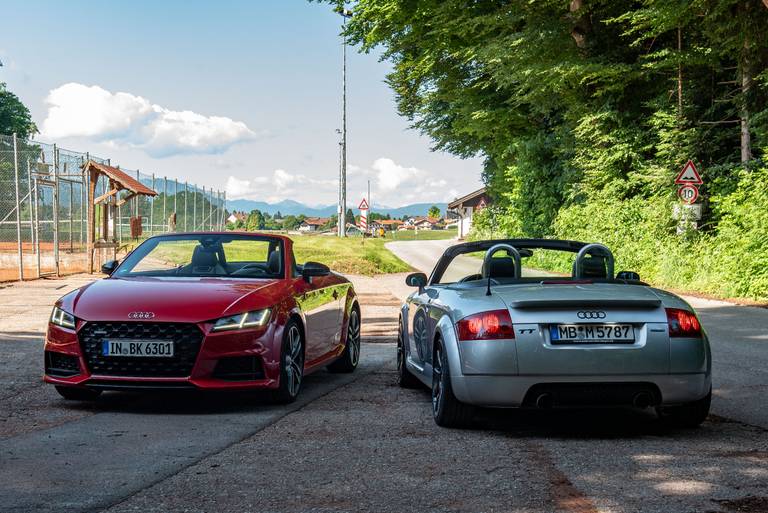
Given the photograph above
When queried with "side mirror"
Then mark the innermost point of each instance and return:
(416, 280)
(312, 269)
(628, 275)
(109, 267)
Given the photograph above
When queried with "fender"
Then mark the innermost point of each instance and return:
(446, 330)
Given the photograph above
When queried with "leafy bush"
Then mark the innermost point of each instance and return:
(729, 261)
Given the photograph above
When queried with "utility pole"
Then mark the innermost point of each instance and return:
(343, 181)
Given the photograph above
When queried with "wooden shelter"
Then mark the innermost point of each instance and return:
(117, 181)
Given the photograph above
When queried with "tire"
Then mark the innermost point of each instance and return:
(446, 409)
(291, 365)
(690, 415)
(77, 393)
(404, 377)
(349, 359)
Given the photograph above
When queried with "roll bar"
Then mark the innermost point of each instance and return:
(589, 249)
(486, 270)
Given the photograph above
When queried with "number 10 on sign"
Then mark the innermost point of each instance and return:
(688, 193)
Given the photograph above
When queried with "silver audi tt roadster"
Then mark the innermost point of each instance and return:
(486, 330)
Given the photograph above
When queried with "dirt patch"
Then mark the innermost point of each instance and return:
(565, 495)
(377, 299)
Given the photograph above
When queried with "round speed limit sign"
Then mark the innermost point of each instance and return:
(688, 193)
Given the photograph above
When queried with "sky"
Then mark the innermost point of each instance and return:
(242, 96)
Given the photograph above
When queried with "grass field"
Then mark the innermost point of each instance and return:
(351, 255)
(358, 255)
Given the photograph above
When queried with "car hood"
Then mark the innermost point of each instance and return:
(171, 299)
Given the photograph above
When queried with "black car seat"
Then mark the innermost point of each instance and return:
(274, 262)
(205, 260)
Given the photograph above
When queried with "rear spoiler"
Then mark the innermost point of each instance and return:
(591, 303)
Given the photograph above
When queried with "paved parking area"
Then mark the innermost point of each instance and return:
(359, 443)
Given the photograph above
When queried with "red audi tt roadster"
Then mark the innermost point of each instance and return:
(207, 311)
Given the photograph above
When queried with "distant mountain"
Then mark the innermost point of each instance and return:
(289, 207)
(285, 207)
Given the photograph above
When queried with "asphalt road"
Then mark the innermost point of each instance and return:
(359, 443)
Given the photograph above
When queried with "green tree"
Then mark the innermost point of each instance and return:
(572, 102)
(350, 217)
(14, 115)
(255, 221)
(290, 222)
(434, 212)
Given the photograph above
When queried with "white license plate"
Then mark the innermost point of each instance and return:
(137, 348)
(591, 333)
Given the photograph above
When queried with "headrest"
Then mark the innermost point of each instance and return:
(594, 267)
(503, 267)
(204, 259)
(273, 264)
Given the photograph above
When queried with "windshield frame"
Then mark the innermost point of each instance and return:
(570, 246)
(146, 247)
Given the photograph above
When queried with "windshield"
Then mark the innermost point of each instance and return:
(206, 255)
(541, 259)
(468, 266)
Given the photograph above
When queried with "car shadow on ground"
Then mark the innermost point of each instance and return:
(572, 423)
(575, 423)
(194, 402)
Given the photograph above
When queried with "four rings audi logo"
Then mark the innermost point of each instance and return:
(141, 315)
(590, 314)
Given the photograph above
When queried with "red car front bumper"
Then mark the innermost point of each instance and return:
(245, 359)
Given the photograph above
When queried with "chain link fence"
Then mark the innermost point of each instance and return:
(44, 209)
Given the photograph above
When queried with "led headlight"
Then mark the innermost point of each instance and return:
(61, 318)
(243, 321)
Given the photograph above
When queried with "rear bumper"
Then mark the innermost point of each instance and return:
(511, 391)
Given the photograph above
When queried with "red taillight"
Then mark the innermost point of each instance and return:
(683, 323)
(486, 326)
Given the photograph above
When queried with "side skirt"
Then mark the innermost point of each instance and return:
(423, 373)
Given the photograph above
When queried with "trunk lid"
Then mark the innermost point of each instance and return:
(537, 309)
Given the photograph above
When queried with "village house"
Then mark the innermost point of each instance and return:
(313, 224)
(234, 217)
(390, 224)
(466, 207)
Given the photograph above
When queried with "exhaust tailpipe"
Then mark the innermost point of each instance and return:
(642, 400)
(544, 401)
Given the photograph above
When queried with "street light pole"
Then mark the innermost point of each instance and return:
(343, 181)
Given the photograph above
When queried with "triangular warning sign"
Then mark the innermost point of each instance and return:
(689, 174)
(363, 205)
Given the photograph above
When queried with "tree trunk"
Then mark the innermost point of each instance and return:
(746, 85)
(581, 25)
(680, 73)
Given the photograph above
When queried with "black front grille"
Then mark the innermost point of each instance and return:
(61, 365)
(187, 339)
(239, 368)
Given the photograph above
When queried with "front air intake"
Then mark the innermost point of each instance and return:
(187, 340)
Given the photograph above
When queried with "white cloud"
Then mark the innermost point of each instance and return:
(391, 175)
(281, 185)
(123, 119)
(392, 184)
(237, 188)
